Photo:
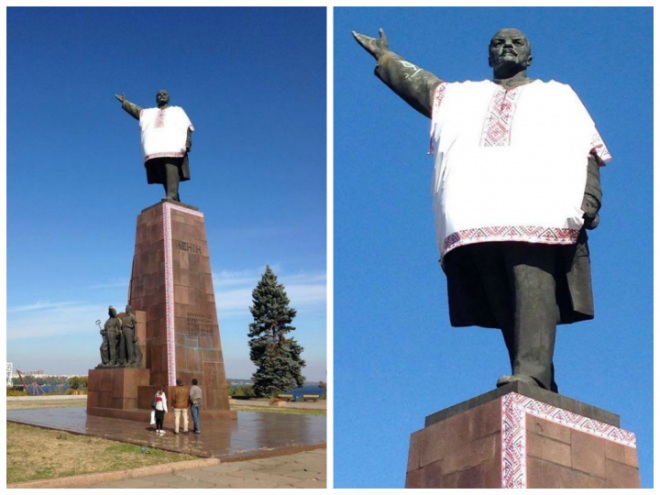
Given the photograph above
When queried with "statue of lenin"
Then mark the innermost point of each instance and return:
(516, 185)
(166, 133)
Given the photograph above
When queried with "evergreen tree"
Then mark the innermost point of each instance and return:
(277, 358)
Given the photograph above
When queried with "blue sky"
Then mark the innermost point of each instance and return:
(396, 358)
(252, 81)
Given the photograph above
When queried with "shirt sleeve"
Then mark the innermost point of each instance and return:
(597, 146)
(436, 103)
(186, 121)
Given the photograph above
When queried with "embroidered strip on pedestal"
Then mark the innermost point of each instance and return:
(169, 287)
(516, 407)
(499, 119)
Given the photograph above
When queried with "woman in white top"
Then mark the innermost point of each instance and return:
(160, 406)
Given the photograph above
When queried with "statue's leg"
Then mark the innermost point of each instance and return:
(130, 353)
(536, 312)
(138, 354)
(172, 181)
(112, 344)
(489, 260)
(121, 350)
(104, 351)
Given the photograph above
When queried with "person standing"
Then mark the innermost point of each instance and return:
(160, 405)
(195, 403)
(180, 401)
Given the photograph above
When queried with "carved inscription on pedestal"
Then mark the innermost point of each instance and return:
(188, 246)
(198, 324)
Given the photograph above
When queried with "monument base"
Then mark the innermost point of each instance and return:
(115, 388)
(144, 415)
(522, 437)
(125, 393)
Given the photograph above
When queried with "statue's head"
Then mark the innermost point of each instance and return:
(509, 50)
(129, 310)
(162, 98)
(112, 312)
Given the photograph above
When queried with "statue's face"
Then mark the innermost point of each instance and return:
(509, 48)
(128, 310)
(162, 98)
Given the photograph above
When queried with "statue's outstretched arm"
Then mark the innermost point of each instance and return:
(131, 108)
(412, 83)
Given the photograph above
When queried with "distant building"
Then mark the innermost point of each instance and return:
(32, 372)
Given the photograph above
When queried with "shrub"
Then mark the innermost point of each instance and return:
(17, 393)
(243, 391)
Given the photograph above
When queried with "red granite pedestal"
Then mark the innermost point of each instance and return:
(511, 440)
(171, 283)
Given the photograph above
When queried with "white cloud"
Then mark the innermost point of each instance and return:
(233, 295)
(40, 305)
(54, 320)
(112, 284)
(233, 290)
(227, 278)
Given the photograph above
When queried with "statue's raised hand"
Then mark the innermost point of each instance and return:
(376, 47)
(121, 98)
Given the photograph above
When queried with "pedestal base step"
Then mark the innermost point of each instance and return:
(515, 441)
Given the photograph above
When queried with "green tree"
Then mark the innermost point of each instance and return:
(77, 382)
(276, 357)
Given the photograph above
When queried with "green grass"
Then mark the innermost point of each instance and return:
(38, 454)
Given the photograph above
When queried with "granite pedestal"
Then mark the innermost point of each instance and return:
(171, 290)
(522, 437)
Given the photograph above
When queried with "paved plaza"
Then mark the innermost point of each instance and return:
(254, 434)
(301, 470)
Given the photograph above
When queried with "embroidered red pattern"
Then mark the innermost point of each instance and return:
(174, 154)
(169, 287)
(515, 409)
(438, 95)
(497, 126)
(599, 149)
(160, 119)
(527, 233)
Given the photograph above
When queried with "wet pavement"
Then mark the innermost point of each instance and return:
(253, 435)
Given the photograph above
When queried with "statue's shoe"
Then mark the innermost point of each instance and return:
(506, 379)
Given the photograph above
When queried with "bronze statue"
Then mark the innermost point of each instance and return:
(105, 345)
(166, 133)
(112, 329)
(523, 278)
(129, 336)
